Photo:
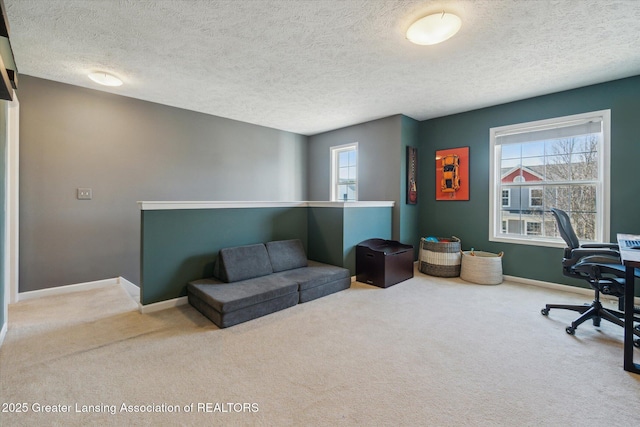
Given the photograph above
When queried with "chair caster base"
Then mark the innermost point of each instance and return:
(570, 330)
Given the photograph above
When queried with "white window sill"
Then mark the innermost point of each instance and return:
(529, 241)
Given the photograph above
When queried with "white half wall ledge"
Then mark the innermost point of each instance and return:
(346, 205)
(168, 205)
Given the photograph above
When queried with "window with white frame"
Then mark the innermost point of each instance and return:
(506, 197)
(535, 197)
(534, 229)
(557, 163)
(344, 173)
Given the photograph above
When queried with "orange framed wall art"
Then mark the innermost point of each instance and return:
(452, 174)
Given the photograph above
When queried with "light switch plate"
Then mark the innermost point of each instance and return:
(84, 194)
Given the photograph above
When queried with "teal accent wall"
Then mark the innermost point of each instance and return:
(334, 232)
(469, 220)
(326, 233)
(181, 245)
(362, 224)
(178, 246)
(409, 214)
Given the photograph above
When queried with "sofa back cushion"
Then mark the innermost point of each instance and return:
(286, 255)
(242, 263)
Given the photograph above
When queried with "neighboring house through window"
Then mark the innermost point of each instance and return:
(344, 173)
(557, 163)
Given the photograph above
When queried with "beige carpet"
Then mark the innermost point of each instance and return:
(426, 352)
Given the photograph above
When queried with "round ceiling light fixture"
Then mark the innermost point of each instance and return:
(433, 29)
(105, 79)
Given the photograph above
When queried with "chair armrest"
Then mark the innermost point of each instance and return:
(600, 245)
(583, 252)
(600, 260)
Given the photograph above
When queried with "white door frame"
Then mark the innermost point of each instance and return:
(12, 203)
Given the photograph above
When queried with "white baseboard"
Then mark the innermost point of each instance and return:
(549, 285)
(3, 333)
(59, 290)
(130, 287)
(163, 305)
(563, 288)
(134, 292)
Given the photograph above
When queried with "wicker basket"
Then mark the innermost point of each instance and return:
(440, 259)
(483, 268)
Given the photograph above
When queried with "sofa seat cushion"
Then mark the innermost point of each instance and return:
(228, 297)
(310, 294)
(224, 320)
(286, 254)
(242, 263)
(315, 274)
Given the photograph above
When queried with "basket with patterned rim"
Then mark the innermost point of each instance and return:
(441, 258)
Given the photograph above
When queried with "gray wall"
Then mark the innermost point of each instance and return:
(379, 162)
(129, 150)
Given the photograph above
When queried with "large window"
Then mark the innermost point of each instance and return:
(344, 173)
(558, 163)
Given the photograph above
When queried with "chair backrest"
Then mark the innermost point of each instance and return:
(565, 228)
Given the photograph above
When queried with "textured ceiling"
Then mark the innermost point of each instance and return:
(311, 66)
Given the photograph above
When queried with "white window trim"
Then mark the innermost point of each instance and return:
(603, 205)
(335, 150)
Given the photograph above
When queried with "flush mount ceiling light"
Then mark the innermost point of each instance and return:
(105, 79)
(434, 28)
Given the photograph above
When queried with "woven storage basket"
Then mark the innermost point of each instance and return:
(440, 259)
(483, 268)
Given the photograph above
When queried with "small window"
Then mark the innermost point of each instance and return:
(506, 198)
(534, 229)
(344, 173)
(535, 197)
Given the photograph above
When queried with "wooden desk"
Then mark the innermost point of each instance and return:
(631, 260)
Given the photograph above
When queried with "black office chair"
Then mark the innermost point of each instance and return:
(600, 265)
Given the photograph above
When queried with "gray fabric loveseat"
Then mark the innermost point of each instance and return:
(255, 280)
